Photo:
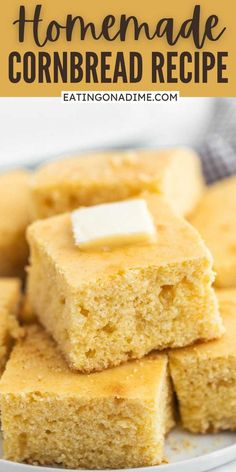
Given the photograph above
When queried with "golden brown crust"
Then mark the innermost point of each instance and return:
(61, 186)
(132, 299)
(204, 376)
(14, 218)
(10, 298)
(47, 371)
(113, 419)
(177, 242)
(214, 217)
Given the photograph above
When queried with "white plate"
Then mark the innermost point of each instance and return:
(185, 453)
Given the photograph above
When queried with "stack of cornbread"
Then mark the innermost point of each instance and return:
(108, 341)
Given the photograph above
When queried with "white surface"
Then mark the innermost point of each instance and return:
(112, 223)
(186, 453)
(36, 129)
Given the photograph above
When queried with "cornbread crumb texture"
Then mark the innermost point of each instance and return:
(215, 219)
(204, 376)
(14, 218)
(9, 306)
(62, 186)
(130, 299)
(53, 416)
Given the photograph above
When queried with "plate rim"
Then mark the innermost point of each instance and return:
(229, 452)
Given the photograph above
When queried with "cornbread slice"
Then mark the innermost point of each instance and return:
(104, 307)
(14, 218)
(215, 219)
(64, 185)
(26, 314)
(52, 416)
(9, 306)
(204, 376)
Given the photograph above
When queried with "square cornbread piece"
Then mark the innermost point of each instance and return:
(14, 218)
(215, 219)
(104, 307)
(53, 416)
(204, 376)
(10, 297)
(64, 185)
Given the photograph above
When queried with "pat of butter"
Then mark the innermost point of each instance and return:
(113, 224)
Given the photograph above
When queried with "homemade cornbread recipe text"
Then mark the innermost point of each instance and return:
(106, 65)
(112, 28)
